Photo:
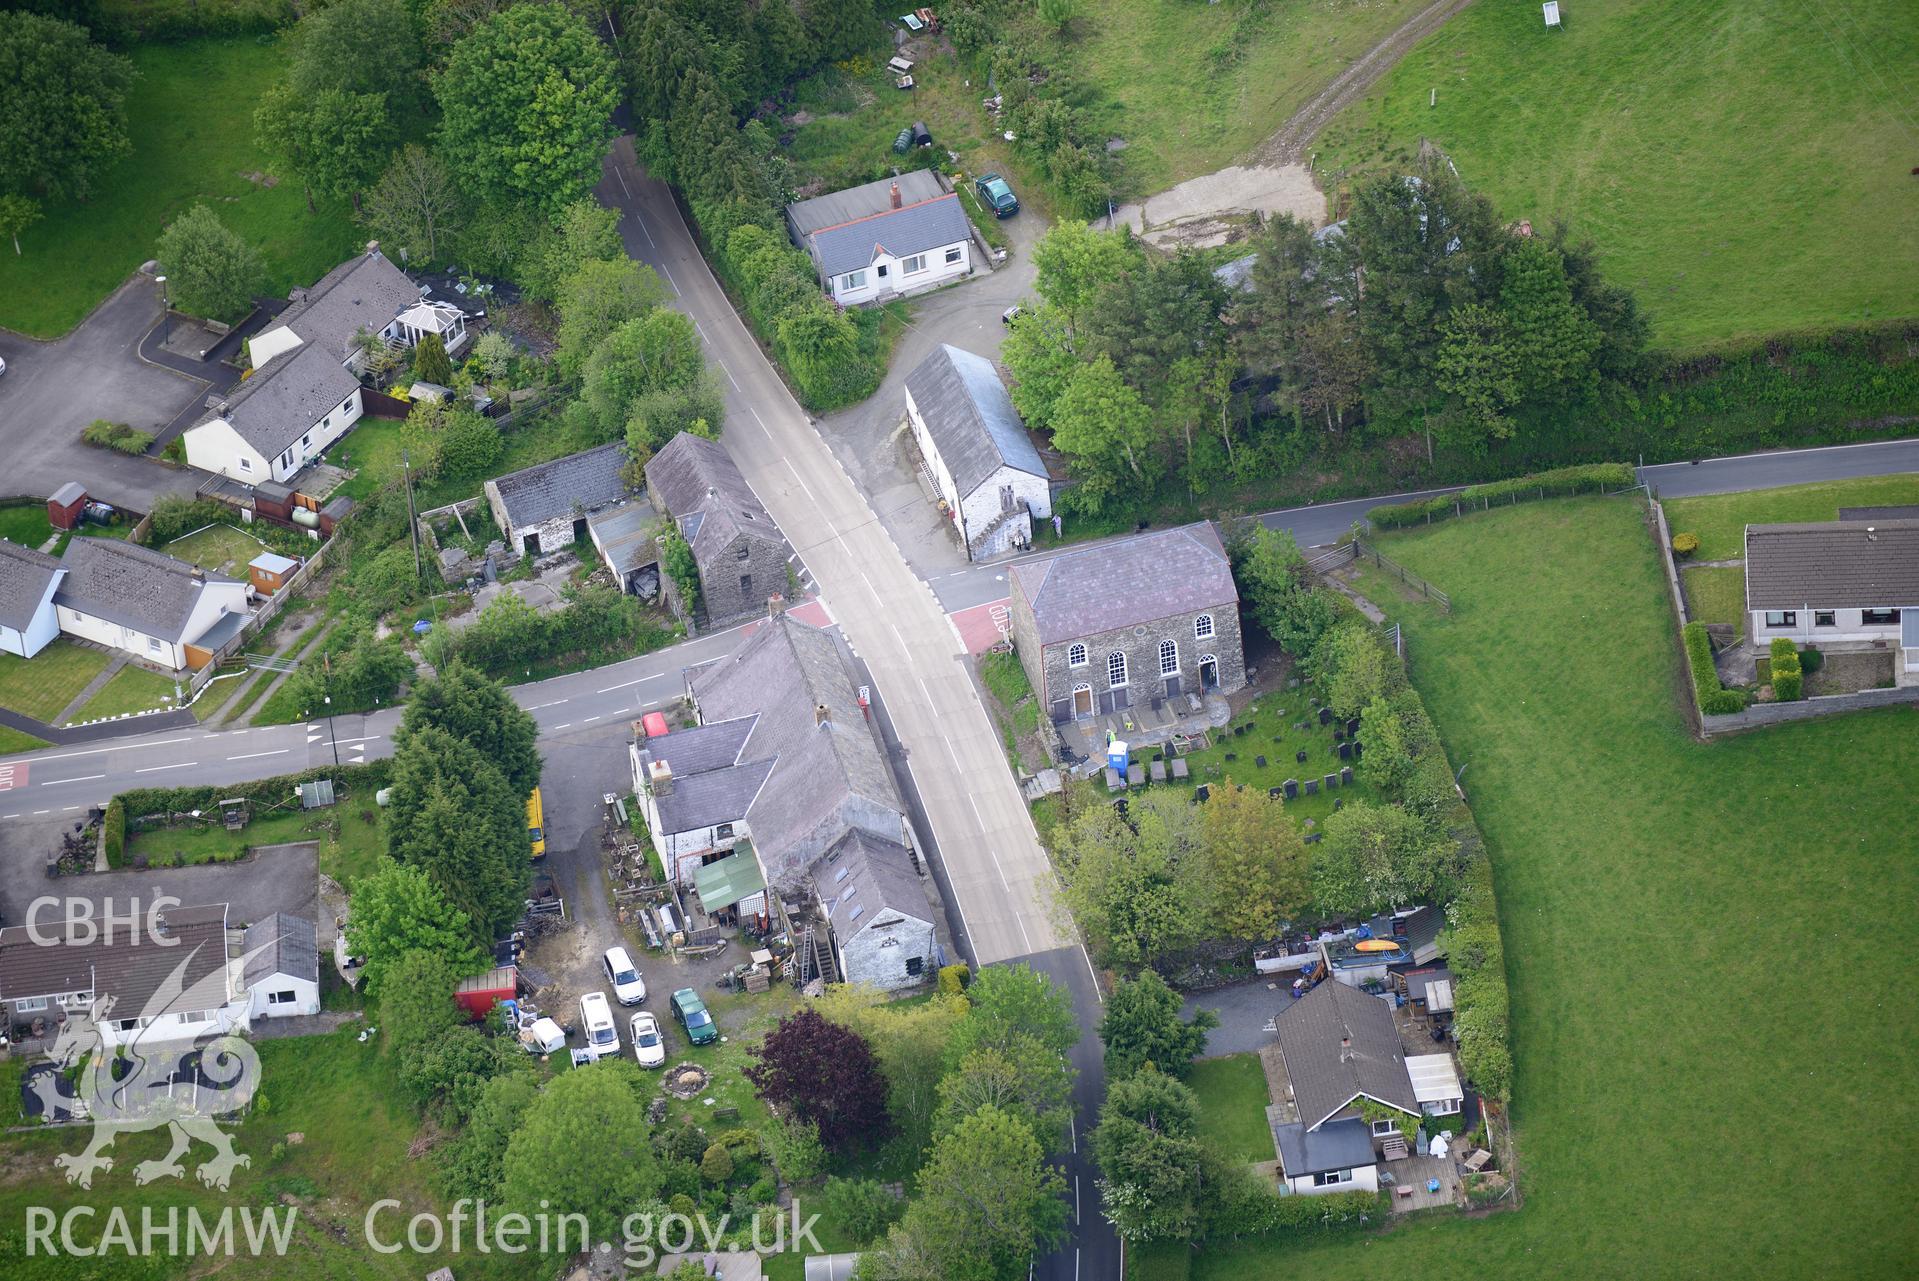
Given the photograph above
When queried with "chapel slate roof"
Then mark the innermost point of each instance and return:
(783, 672)
(281, 944)
(1326, 1075)
(1833, 565)
(284, 398)
(365, 292)
(1127, 581)
(185, 970)
(1337, 1145)
(863, 877)
(971, 418)
(26, 574)
(132, 586)
(586, 481)
(702, 489)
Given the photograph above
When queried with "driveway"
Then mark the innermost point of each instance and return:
(862, 437)
(53, 389)
(1246, 1012)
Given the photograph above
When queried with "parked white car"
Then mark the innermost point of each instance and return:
(596, 1024)
(628, 987)
(649, 1047)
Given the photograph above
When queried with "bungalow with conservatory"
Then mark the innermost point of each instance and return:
(1350, 1085)
(304, 391)
(886, 238)
(1838, 585)
(1132, 620)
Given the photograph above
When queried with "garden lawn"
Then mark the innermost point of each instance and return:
(1679, 1072)
(13, 740)
(25, 523)
(190, 115)
(132, 689)
(351, 840)
(43, 685)
(1720, 520)
(1232, 1106)
(218, 549)
(1742, 166)
(1717, 595)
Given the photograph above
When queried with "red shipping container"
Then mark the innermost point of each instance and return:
(478, 995)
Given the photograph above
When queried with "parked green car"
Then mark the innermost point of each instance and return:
(998, 196)
(690, 1012)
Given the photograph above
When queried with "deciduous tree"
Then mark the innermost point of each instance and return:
(582, 1149)
(1072, 262)
(17, 213)
(657, 352)
(398, 910)
(415, 209)
(1152, 1164)
(527, 100)
(357, 47)
(988, 1203)
(1377, 857)
(1105, 430)
(1024, 1080)
(63, 117)
(1254, 865)
(826, 1074)
(335, 141)
(210, 270)
(598, 297)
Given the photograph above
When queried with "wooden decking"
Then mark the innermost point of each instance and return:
(1415, 1172)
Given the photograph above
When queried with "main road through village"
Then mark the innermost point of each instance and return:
(987, 855)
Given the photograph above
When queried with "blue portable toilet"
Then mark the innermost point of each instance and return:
(1116, 755)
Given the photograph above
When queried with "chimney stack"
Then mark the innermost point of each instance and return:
(819, 714)
(659, 778)
(373, 249)
(775, 605)
(896, 195)
(1345, 1049)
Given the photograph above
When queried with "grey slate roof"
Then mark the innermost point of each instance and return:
(695, 750)
(68, 494)
(910, 229)
(783, 671)
(364, 292)
(25, 576)
(715, 797)
(863, 201)
(1909, 511)
(585, 481)
(131, 586)
(865, 878)
(281, 944)
(1326, 1076)
(285, 397)
(1834, 565)
(1128, 581)
(144, 975)
(702, 489)
(971, 418)
(1337, 1145)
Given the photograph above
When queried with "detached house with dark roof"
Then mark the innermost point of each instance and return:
(894, 236)
(28, 581)
(976, 452)
(782, 784)
(741, 555)
(1147, 617)
(1850, 583)
(304, 390)
(160, 610)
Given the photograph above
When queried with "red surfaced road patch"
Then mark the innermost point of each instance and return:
(979, 625)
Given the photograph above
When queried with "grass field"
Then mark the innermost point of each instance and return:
(220, 549)
(44, 684)
(1680, 1076)
(132, 689)
(1720, 520)
(1716, 595)
(1742, 166)
(25, 523)
(1232, 1102)
(190, 115)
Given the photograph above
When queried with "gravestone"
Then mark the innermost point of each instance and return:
(1259, 762)
(1159, 770)
(1346, 751)
(1291, 788)
(1274, 793)
(1339, 803)
(1201, 792)
(1331, 781)
(1359, 750)
(1339, 735)
(1314, 838)
(1300, 756)
(1300, 725)
(1119, 806)
(1292, 682)
(1238, 731)
(1179, 768)
(1346, 774)
(1312, 787)
(1325, 716)
(1352, 726)
(1232, 756)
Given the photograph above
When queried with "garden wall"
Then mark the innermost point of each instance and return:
(1762, 714)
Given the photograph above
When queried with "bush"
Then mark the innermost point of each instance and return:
(796, 1150)
(115, 825)
(1685, 544)
(1787, 678)
(863, 1208)
(954, 978)
(116, 436)
(1714, 699)
(716, 1166)
(1585, 479)
(1811, 660)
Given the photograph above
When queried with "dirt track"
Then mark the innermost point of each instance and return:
(1289, 144)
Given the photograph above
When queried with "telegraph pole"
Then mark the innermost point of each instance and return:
(412, 523)
(326, 678)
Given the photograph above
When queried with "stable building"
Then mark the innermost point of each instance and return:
(976, 453)
(546, 508)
